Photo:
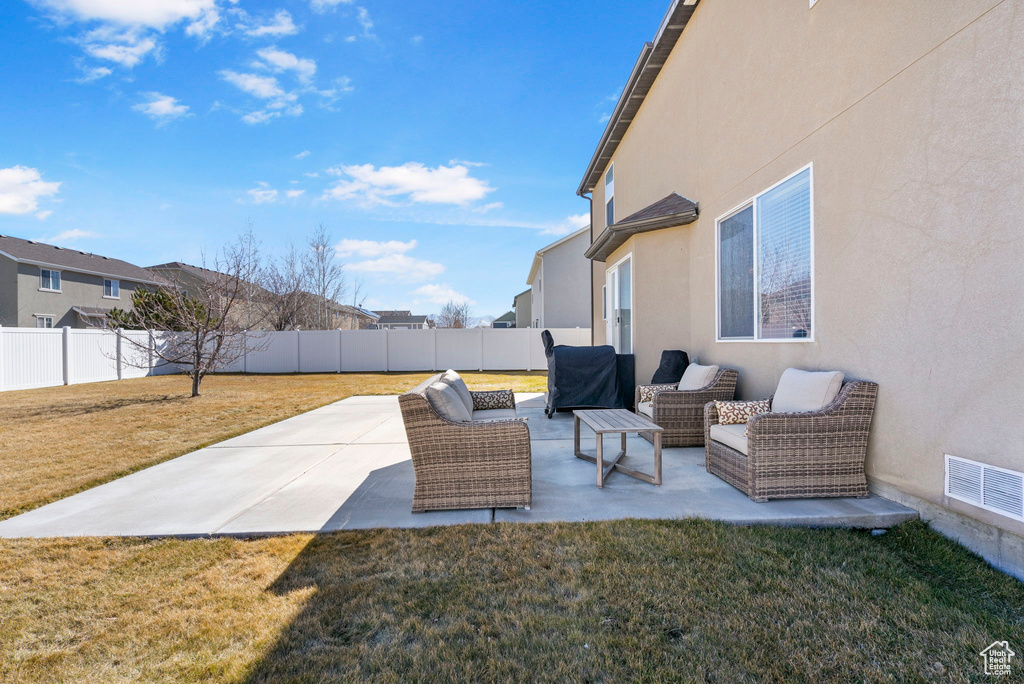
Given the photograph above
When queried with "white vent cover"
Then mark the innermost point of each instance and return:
(991, 488)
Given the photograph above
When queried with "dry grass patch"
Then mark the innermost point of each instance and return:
(599, 602)
(60, 440)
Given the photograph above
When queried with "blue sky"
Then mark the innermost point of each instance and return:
(441, 143)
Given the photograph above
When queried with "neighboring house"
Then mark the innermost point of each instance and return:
(559, 283)
(45, 286)
(859, 200)
(249, 312)
(348, 317)
(524, 311)
(507, 320)
(401, 320)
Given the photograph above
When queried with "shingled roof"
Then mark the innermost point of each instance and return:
(674, 210)
(62, 258)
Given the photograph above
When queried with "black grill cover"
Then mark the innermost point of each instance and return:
(673, 363)
(587, 377)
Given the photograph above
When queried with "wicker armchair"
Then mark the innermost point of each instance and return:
(800, 455)
(681, 412)
(479, 464)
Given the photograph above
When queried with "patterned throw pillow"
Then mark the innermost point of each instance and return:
(498, 399)
(737, 412)
(647, 392)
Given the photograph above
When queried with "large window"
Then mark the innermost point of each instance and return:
(765, 279)
(609, 196)
(49, 280)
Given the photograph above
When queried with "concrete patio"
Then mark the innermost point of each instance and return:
(347, 466)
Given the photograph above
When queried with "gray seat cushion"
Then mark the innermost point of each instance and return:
(447, 403)
(450, 377)
(731, 436)
(697, 377)
(494, 414)
(646, 408)
(800, 390)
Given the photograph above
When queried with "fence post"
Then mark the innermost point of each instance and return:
(529, 352)
(341, 357)
(119, 353)
(435, 349)
(65, 352)
(481, 349)
(387, 352)
(298, 351)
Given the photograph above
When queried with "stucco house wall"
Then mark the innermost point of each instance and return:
(77, 289)
(8, 292)
(561, 285)
(524, 309)
(909, 113)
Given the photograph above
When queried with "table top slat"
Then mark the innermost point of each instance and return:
(615, 420)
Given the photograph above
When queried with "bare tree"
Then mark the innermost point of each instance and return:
(358, 293)
(453, 315)
(284, 291)
(326, 277)
(198, 328)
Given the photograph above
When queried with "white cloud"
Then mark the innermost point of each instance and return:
(442, 294)
(280, 25)
(279, 60)
(371, 186)
(292, 194)
(264, 87)
(302, 155)
(161, 108)
(571, 224)
(416, 40)
(260, 116)
(325, 5)
(370, 248)
(126, 54)
(204, 25)
(157, 14)
(363, 17)
(94, 74)
(464, 162)
(400, 267)
(70, 235)
(262, 194)
(43, 215)
(20, 190)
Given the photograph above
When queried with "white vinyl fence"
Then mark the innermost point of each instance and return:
(34, 357)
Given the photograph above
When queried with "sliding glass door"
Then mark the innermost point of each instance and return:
(619, 326)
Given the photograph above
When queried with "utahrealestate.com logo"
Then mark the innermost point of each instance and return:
(997, 658)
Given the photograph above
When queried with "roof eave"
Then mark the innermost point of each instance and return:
(613, 237)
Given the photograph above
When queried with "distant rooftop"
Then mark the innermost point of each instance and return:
(42, 254)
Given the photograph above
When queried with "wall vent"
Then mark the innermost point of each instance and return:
(994, 489)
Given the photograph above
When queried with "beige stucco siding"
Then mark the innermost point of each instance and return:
(8, 292)
(77, 289)
(911, 114)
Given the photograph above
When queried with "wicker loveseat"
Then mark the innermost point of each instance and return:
(484, 463)
(797, 455)
(681, 412)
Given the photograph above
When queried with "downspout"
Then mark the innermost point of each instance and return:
(590, 200)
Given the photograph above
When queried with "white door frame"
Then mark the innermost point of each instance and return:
(614, 305)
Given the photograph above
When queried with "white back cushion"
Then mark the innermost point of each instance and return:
(453, 379)
(697, 377)
(447, 403)
(800, 390)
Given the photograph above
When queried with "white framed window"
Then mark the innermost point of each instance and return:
(764, 265)
(49, 280)
(609, 195)
(44, 321)
(111, 289)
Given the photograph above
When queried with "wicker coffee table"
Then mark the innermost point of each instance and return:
(611, 421)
